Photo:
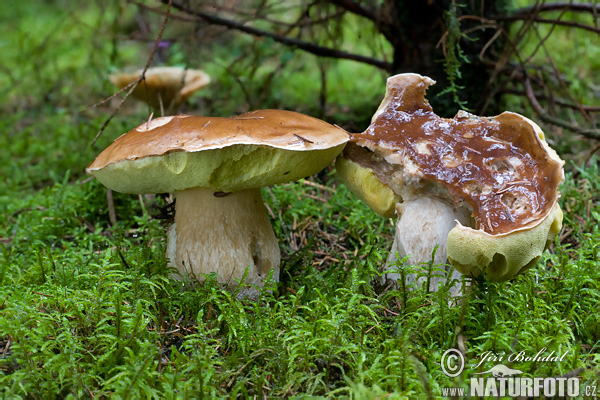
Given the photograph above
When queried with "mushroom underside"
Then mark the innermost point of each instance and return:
(228, 234)
(471, 251)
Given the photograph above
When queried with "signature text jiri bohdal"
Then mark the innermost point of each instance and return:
(553, 356)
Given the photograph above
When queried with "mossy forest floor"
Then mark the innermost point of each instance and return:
(88, 310)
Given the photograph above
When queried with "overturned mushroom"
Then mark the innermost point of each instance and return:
(163, 88)
(215, 167)
(485, 190)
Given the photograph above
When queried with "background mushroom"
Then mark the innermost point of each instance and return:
(215, 167)
(485, 190)
(163, 88)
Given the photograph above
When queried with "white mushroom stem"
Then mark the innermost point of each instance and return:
(424, 223)
(224, 233)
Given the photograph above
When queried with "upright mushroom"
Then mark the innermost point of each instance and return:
(163, 88)
(215, 167)
(485, 190)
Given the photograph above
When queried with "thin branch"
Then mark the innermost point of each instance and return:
(544, 116)
(549, 21)
(559, 102)
(299, 23)
(159, 10)
(561, 81)
(142, 75)
(358, 9)
(529, 93)
(503, 60)
(302, 45)
(489, 43)
(109, 98)
(576, 7)
(541, 40)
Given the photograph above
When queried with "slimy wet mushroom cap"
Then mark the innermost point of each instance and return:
(500, 166)
(499, 169)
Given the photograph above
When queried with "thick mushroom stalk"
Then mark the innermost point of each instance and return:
(424, 223)
(216, 167)
(224, 233)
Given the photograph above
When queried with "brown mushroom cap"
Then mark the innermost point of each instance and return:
(166, 86)
(252, 150)
(500, 170)
(500, 166)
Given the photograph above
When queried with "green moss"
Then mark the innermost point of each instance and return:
(88, 309)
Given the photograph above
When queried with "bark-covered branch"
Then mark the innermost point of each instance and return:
(577, 7)
(558, 102)
(525, 17)
(544, 116)
(300, 44)
(386, 19)
(357, 8)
